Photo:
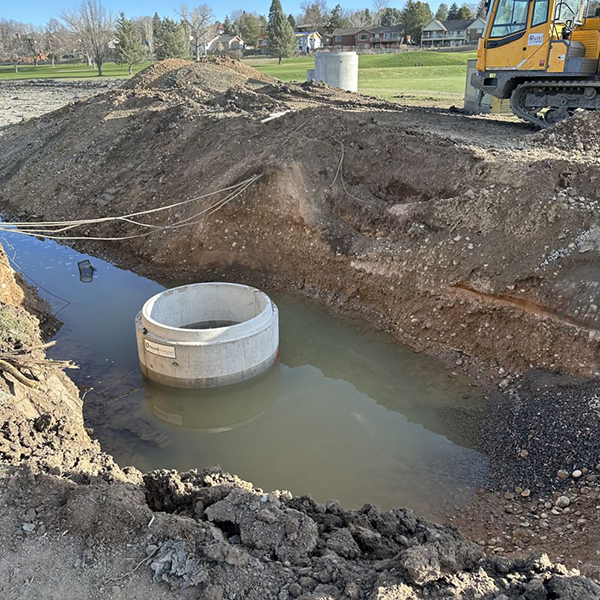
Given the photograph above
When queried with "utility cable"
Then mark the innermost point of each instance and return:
(24, 230)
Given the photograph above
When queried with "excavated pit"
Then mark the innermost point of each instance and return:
(468, 239)
(346, 412)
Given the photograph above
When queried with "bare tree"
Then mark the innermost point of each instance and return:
(34, 43)
(199, 22)
(94, 29)
(358, 18)
(12, 42)
(146, 29)
(56, 39)
(378, 7)
(314, 13)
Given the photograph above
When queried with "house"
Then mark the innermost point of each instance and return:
(230, 42)
(263, 43)
(366, 38)
(308, 41)
(209, 45)
(450, 34)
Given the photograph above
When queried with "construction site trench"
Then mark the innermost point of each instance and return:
(472, 240)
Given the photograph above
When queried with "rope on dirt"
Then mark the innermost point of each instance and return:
(25, 229)
(136, 214)
(340, 173)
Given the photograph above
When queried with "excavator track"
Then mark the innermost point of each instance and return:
(545, 103)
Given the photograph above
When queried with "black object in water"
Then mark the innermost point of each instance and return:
(86, 271)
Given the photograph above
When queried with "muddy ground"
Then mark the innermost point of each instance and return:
(22, 100)
(472, 238)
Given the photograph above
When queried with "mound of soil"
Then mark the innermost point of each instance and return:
(210, 74)
(580, 133)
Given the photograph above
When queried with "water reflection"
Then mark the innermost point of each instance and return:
(214, 410)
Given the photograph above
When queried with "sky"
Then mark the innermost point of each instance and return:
(38, 12)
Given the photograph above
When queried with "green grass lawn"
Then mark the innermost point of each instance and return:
(66, 71)
(422, 76)
(436, 77)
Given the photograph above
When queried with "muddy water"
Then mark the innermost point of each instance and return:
(346, 412)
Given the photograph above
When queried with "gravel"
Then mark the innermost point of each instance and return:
(556, 421)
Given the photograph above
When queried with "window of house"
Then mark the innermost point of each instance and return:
(511, 17)
(396, 35)
(363, 37)
(338, 38)
(386, 36)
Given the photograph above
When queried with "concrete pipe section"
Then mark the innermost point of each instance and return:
(207, 335)
(337, 69)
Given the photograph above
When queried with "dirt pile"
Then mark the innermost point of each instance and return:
(210, 74)
(580, 133)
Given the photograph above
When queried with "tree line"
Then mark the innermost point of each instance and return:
(93, 32)
(316, 14)
(90, 30)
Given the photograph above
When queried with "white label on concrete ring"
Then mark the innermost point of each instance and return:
(159, 349)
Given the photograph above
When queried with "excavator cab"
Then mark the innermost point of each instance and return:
(543, 55)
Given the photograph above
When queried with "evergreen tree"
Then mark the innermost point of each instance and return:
(227, 26)
(249, 28)
(171, 42)
(155, 25)
(336, 20)
(293, 21)
(390, 16)
(415, 16)
(464, 12)
(368, 18)
(453, 12)
(130, 48)
(282, 42)
(442, 12)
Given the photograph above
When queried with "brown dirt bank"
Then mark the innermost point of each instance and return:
(462, 248)
(76, 525)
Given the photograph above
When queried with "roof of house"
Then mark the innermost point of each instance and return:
(228, 38)
(381, 29)
(456, 24)
(306, 33)
(387, 29)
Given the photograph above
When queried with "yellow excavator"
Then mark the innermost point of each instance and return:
(543, 55)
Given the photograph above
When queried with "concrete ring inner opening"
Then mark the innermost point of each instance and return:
(206, 306)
